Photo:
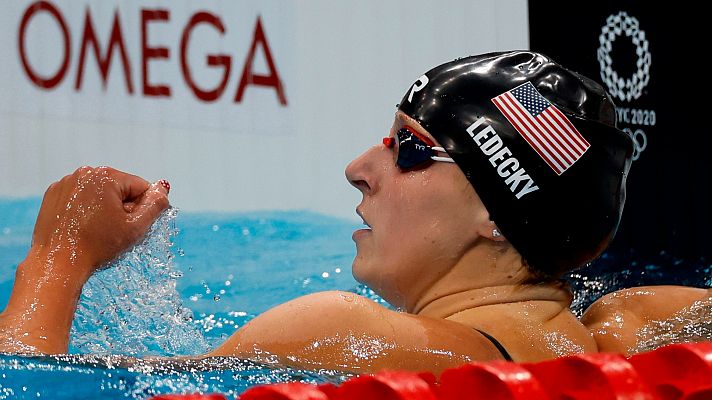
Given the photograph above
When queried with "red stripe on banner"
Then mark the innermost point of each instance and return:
(563, 132)
(534, 129)
(573, 129)
(533, 141)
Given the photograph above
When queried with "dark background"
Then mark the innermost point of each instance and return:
(667, 208)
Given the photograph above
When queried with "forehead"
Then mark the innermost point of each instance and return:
(401, 120)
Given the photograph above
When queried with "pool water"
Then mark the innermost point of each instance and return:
(198, 277)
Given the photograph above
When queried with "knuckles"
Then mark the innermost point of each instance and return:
(82, 176)
(104, 171)
(83, 171)
(89, 176)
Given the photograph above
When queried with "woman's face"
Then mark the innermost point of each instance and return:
(420, 222)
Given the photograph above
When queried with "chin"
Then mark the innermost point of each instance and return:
(366, 273)
(358, 270)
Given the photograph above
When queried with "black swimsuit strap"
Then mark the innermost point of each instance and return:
(496, 344)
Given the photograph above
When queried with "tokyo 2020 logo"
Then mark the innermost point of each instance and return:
(624, 88)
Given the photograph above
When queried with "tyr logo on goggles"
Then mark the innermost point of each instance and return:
(414, 150)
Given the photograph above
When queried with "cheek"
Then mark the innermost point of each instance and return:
(436, 216)
(413, 222)
(421, 228)
(422, 207)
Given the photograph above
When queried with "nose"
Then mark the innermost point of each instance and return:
(361, 172)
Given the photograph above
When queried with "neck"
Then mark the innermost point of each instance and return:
(455, 302)
(490, 273)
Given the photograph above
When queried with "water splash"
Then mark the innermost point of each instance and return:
(367, 292)
(121, 377)
(691, 324)
(132, 307)
(622, 270)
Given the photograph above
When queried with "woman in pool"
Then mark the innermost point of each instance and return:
(500, 173)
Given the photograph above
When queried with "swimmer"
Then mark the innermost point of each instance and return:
(500, 173)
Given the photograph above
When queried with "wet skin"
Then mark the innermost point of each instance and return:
(429, 250)
(619, 320)
(86, 219)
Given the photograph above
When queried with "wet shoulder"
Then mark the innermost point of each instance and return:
(618, 319)
(342, 330)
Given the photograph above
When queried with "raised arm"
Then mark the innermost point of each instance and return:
(86, 219)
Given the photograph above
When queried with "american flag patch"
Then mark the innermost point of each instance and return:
(543, 126)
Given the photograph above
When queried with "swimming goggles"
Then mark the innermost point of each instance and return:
(414, 150)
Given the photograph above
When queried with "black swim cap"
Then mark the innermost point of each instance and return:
(538, 143)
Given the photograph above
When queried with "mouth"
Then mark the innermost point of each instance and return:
(360, 214)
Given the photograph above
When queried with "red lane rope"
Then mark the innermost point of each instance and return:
(674, 372)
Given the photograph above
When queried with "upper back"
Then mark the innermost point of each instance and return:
(532, 330)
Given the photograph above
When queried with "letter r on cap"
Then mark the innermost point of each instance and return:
(417, 87)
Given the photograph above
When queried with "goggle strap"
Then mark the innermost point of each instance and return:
(390, 142)
(438, 158)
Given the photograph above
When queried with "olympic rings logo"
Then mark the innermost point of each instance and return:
(631, 88)
(640, 141)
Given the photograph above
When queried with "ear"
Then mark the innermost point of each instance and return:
(492, 232)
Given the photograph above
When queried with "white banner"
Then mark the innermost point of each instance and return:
(242, 105)
(149, 64)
